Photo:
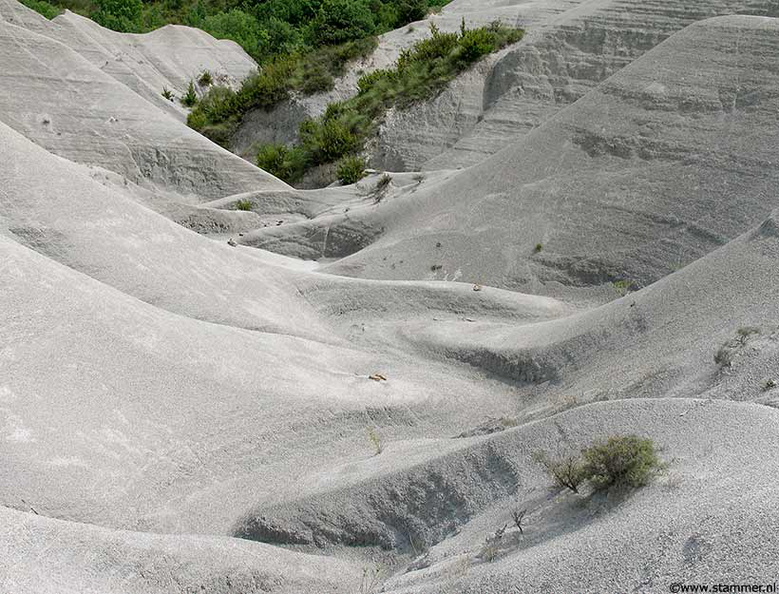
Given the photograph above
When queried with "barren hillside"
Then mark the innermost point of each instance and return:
(213, 382)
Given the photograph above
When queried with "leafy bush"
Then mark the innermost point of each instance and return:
(339, 21)
(628, 461)
(266, 29)
(190, 97)
(241, 27)
(622, 460)
(327, 140)
(351, 169)
(285, 163)
(42, 7)
(369, 81)
(475, 44)
(409, 11)
(244, 204)
(167, 93)
(119, 15)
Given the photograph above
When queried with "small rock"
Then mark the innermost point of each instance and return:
(231, 242)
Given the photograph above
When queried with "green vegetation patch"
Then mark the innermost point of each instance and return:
(421, 72)
(624, 461)
(42, 7)
(221, 109)
(266, 29)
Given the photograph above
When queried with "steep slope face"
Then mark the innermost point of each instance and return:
(559, 61)
(661, 164)
(657, 342)
(68, 105)
(150, 373)
(166, 58)
(93, 560)
(154, 380)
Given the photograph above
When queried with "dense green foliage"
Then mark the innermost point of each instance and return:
(217, 114)
(627, 461)
(266, 29)
(45, 8)
(421, 72)
(351, 169)
(285, 163)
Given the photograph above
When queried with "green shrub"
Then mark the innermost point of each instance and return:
(351, 169)
(623, 287)
(327, 140)
(409, 11)
(167, 93)
(428, 51)
(218, 105)
(286, 163)
(475, 44)
(621, 461)
(221, 134)
(42, 7)
(244, 204)
(627, 461)
(241, 27)
(190, 97)
(339, 21)
(316, 79)
(370, 81)
(119, 15)
(205, 79)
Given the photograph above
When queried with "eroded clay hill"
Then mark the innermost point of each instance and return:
(181, 414)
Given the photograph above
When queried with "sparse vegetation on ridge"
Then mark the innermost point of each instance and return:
(351, 169)
(190, 97)
(420, 72)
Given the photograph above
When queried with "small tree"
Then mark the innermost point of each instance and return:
(190, 97)
(518, 515)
